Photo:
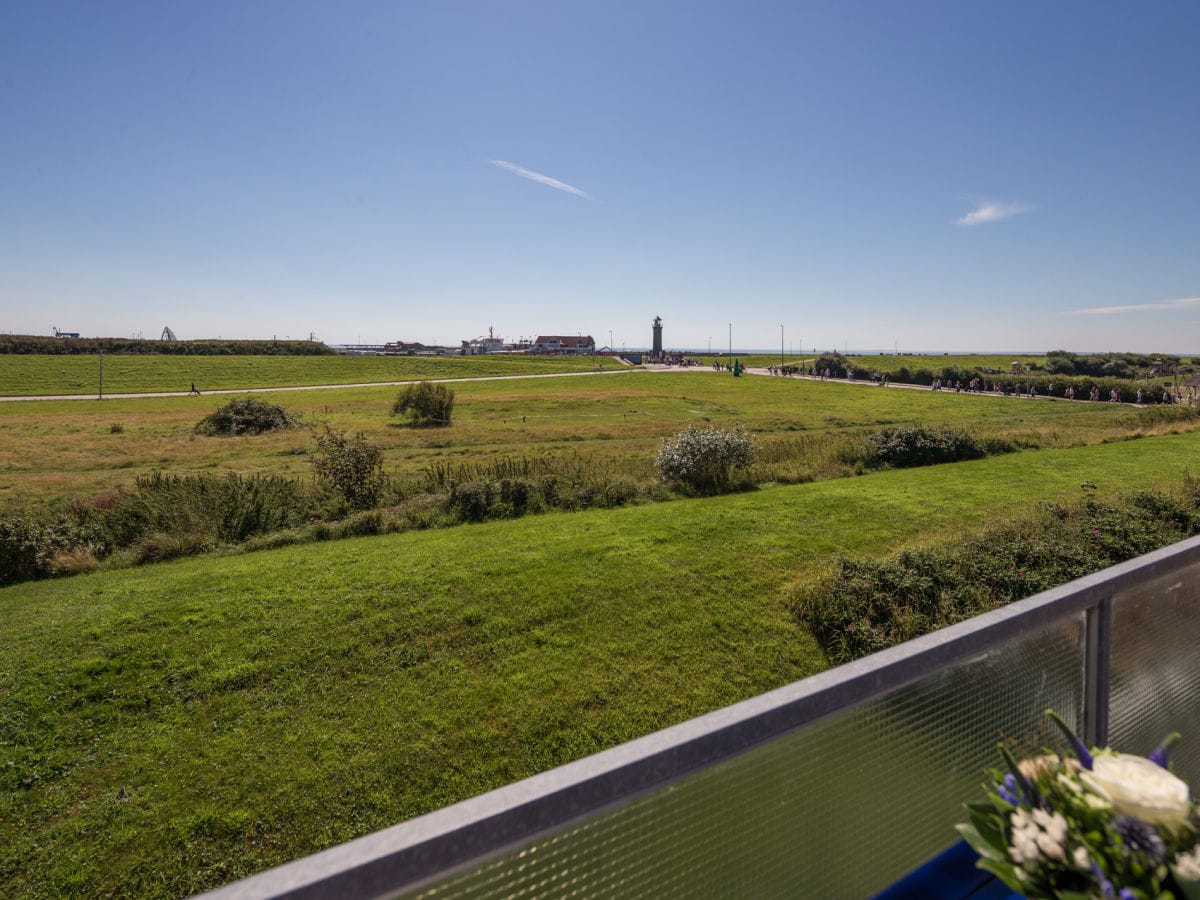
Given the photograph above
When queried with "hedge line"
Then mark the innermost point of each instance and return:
(865, 605)
(40, 344)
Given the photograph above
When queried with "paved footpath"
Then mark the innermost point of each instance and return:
(313, 387)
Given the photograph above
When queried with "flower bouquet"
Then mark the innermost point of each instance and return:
(1095, 824)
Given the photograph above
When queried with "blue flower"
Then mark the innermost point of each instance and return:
(1161, 755)
(1106, 887)
(1081, 751)
(1140, 837)
(1009, 790)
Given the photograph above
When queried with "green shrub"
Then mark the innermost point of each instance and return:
(834, 362)
(161, 546)
(425, 404)
(916, 445)
(704, 458)
(246, 415)
(995, 446)
(31, 548)
(369, 521)
(471, 500)
(351, 466)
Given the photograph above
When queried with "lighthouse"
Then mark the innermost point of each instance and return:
(657, 351)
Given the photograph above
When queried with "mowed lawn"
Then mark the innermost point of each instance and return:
(167, 729)
(54, 451)
(34, 375)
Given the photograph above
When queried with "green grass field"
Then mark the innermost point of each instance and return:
(52, 451)
(29, 376)
(167, 729)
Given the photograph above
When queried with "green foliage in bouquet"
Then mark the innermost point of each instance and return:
(1096, 824)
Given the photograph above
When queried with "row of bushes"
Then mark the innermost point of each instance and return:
(866, 605)
(164, 516)
(510, 498)
(1047, 383)
(40, 344)
(1107, 365)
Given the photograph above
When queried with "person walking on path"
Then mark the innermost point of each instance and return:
(193, 390)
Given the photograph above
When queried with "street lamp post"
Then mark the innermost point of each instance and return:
(101, 397)
(731, 340)
(781, 345)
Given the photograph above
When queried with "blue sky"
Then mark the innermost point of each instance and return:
(937, 176)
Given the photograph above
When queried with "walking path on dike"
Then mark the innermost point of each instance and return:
(312, 387)
(644, 368)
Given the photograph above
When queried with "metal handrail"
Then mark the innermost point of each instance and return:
(407, 856)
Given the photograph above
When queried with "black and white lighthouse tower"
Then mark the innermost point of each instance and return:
(657, 352)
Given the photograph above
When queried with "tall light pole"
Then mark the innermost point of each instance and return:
(781, 345)
(101, 397)
(731, 340)
(610, 342)
(710, 345)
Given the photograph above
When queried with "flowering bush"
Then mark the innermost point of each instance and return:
(1096, 824)
(704, 457)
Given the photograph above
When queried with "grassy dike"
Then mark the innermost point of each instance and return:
(34, 375)
(255, 708)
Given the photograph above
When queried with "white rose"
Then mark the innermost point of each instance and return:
(1140, 788)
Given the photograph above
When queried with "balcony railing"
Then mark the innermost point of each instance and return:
(833, 786)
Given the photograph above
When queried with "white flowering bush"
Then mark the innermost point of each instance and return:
(704, 458)
(1096, 824)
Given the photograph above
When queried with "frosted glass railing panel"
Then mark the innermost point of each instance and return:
(840, 808)
(1154, 687)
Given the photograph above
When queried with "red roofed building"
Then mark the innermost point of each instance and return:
(566, 344)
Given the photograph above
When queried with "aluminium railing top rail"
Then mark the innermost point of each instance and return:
(407, 856)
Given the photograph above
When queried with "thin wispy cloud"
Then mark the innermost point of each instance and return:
(992, 212)
(1184, 303)
(539, 178)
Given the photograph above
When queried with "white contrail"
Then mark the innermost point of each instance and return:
(540, 178)
(1185, 303)
(991, 212)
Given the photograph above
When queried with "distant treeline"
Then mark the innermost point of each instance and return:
(32, 343)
